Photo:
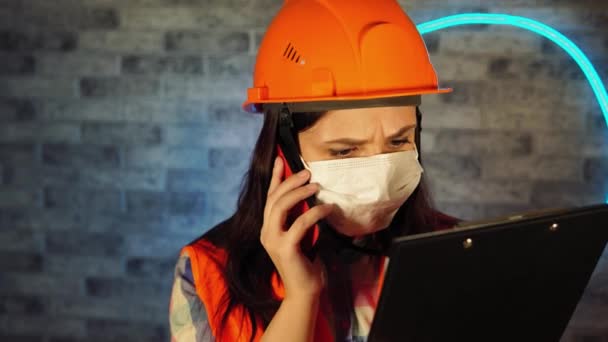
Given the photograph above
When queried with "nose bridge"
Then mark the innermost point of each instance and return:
(378, 145)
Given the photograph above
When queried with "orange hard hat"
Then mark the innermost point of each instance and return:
(337, 50)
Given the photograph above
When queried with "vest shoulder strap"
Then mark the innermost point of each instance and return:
(208, 262)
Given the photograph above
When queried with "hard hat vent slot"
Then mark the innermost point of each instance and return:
(292, 54)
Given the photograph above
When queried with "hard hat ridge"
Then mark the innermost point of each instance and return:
(336, 50)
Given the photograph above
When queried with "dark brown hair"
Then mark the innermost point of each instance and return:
(248, 268)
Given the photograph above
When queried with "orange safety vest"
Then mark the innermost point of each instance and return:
(207, 262)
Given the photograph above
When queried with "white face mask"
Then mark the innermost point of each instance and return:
(368, 191)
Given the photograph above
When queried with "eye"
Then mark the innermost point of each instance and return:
(341, 153)
(399, 142)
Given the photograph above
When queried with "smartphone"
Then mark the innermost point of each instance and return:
(309, 243)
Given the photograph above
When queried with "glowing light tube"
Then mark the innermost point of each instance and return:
(534, 26)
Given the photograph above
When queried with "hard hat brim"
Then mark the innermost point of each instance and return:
(256, 106)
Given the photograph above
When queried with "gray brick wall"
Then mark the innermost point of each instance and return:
(122, 138)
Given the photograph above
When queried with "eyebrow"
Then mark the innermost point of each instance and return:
(351, 141)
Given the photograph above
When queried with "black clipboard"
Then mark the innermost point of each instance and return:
(515, 279)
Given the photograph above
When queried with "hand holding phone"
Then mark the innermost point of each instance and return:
(282, 234)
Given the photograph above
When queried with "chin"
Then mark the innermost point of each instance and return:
(353, 229)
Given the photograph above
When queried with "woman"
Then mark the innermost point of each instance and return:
(339, 83)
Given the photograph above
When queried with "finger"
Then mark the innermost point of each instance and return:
(291, 183)
(277, 172)
(275, 180)
(280, 209)
(302, 224)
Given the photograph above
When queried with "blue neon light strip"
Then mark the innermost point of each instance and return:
(537, 27)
